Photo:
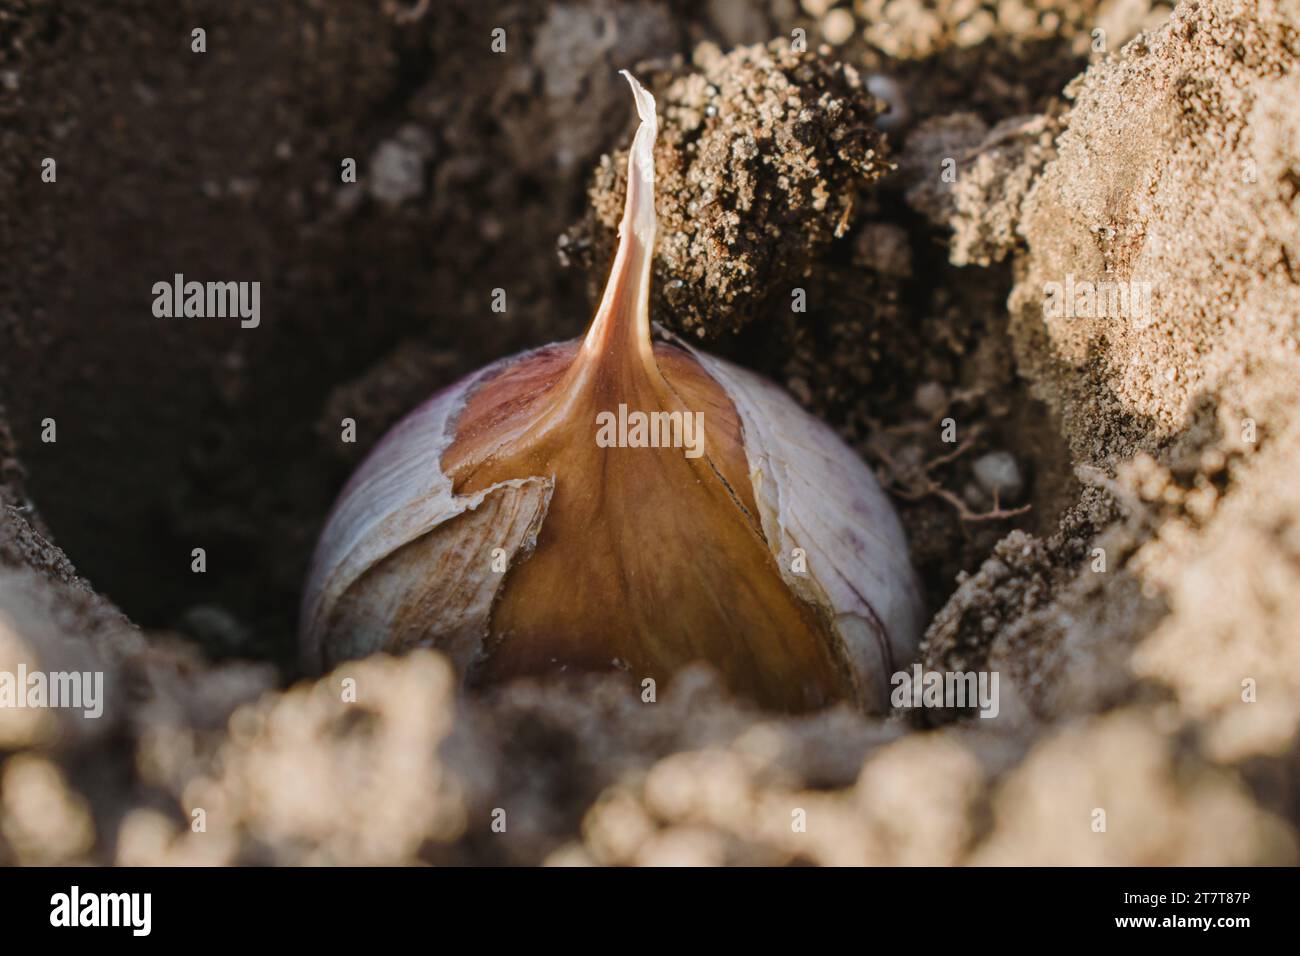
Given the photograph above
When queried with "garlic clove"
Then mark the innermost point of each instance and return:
(647, 558)
(812, 497)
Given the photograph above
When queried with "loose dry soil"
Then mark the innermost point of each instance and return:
(1116, 530)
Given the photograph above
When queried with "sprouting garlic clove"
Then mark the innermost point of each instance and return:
(492, 524)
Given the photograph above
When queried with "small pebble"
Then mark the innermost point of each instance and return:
(397, 166)
(998, 472)
(885, 88)
(930, 398)
(974, 495)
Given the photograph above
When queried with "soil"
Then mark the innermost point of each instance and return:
(1114, 528)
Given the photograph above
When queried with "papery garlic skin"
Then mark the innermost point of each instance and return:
(620, 558)
(815, 494)
(398, 498)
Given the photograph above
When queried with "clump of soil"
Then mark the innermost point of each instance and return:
(1102, 506)
(760, 159)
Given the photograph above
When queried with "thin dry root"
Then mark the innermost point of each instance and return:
(916, 484)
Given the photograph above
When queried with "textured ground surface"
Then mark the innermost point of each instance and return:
(1141, 612)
